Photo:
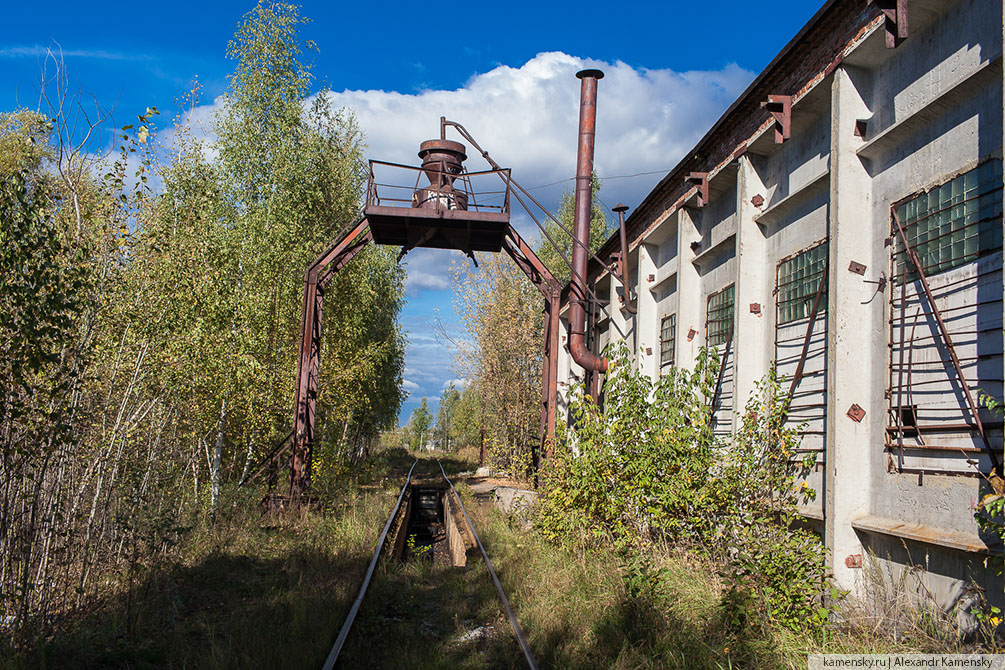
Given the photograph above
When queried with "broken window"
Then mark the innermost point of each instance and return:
(798, 282)
(668, 340)
(719, 325)
(952, 224)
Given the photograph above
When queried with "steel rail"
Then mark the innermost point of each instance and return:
(347, 624)
(495, 578)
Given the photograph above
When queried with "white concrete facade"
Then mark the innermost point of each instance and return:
(871, 127)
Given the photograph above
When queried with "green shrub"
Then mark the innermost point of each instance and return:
(648, 469)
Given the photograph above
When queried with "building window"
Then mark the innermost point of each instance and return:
(798, 282)
(952, 224)
(668, 340)
(719, 325)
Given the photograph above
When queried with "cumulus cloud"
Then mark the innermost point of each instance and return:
(459, 383)
(527, 118)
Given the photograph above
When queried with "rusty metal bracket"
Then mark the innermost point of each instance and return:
(895, 12)
(260, 467)
(780, 107)
(856, 268)
(699, 180)
(855, 413)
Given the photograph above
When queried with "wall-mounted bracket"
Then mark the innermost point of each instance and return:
(855, 413)
(700, 180)
(856, 268)
(896, 20)
(780, 107)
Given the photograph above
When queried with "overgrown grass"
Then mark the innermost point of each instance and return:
(271, 592)
(587, 605)
(248, 591)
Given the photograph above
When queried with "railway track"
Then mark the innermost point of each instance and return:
(423, 507)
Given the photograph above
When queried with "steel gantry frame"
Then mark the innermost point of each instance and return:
(316, 279)
(438, 216)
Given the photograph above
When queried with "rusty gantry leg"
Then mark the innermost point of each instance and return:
(541, 277)
(316, 278)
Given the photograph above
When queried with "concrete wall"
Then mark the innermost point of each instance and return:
(871, 126)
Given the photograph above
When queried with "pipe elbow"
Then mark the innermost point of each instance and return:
(586, 358)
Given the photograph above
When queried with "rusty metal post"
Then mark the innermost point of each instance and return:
(626, 299)
(309, 358)
(539, 275)
(554, 326)
(308, 369)
(581, 230)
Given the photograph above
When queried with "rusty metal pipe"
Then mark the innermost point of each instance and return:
(627, 298)
(581, 353)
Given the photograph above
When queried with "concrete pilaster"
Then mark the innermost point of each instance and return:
(856, 372)
(690, 305)
(753, 335)
(646, 319)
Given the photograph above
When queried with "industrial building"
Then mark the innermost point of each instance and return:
(785, 236)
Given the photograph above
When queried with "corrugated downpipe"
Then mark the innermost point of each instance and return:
(581, 229)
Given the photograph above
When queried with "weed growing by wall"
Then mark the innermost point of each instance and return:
(648, 469)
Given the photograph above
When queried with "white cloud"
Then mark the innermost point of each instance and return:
(55, 51)
(459, 383)
(526, 117)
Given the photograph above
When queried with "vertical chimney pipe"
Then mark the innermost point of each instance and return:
(581, 354)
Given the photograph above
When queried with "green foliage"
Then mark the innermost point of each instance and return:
(501, 310)
(465, 424)
(42, 295)
(445, 417)
(420, 422)
(639, 469)
(648, 469)
(150, 320)
(990, 513)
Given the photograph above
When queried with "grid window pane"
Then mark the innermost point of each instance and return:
(668, 340)
(798, 281)
(952, 224)
(719, 325)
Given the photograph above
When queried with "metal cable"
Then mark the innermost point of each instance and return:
(347, 624)
(495, 578)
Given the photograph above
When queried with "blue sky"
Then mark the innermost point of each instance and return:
(504, 70)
